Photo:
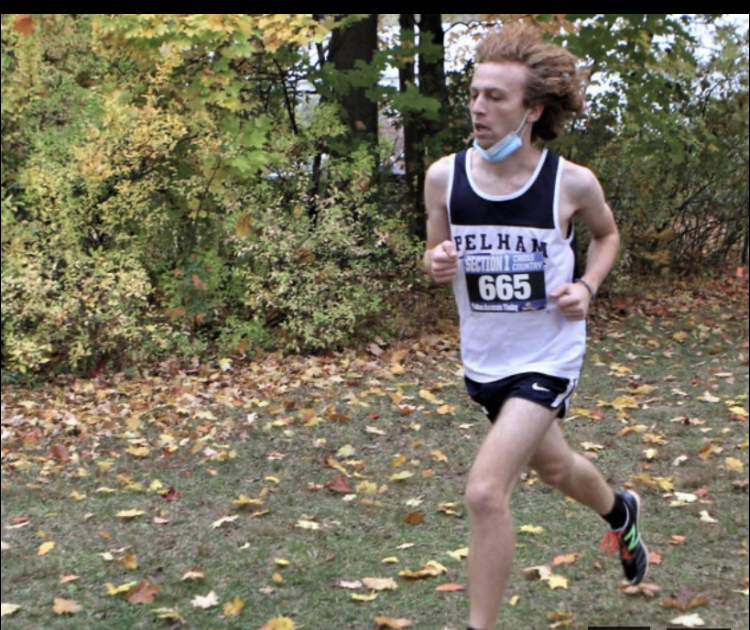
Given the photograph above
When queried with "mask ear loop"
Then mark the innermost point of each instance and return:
(523, 122)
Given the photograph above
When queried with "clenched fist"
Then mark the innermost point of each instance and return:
(443, 262)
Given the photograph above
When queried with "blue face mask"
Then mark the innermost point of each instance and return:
(503, 147)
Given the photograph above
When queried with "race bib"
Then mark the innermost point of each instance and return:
(506, 283)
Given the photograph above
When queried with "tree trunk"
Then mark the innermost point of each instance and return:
(357, 42)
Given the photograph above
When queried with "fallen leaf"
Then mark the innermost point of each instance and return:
(305, 524)
(45, 548)
(647, 590)
(459, 554)
(686, 599)
(394, 624)
(192, 576)
(9, 609)
(707, 518)
(689, 621)
(380, 584)
(224, 520)
(537, 573)
(66, 606)
(116, 590)
(734, 464)
(710, 398)
(532, 529)
(281, 623)
(390, 560)
(414, 518)
(340, 485)
(143, 593)
(129, 561)
(354, 584)
(130, 514)
(169, 614)
(514, 600)
(450, 588)
(233, 608)
(278, 579)
(24, 24)
(654, 558)
(556, 581)
(205, 601)
(566, 559)
(67, 579)
(402, 476)
(676, 539)
(357, 597)
(429, 569)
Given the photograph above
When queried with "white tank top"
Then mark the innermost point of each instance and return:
(511, 255)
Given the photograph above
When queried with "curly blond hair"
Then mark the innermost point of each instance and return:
(555, 78)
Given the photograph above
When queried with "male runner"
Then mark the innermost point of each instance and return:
(499, 227)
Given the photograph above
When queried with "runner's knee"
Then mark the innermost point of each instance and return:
(485, 498)
(555, 472)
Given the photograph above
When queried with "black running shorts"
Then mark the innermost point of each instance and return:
(552, 392)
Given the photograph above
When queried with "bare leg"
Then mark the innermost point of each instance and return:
(515, 436)
(570, 473)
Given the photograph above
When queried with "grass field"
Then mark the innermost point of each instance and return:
(226, 496)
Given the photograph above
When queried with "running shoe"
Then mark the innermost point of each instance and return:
(633, 553)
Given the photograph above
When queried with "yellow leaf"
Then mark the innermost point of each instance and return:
(367, 487)
(739, 411)
(281, 562)
(532, 529)
(390, 560)
(138, 451)
(556, 581)
(129, 561)
(277, 578)
(592, 446)
(430, 397)
(45, 548)
(439, 456)
(346, 451)
(402, 476)
(77, 496)
(364, 598)
(9, 609)
(305, 524)
(459, 554)
(233, 608)
(281, 623)
(169, 614)
(380, 584)
(130, 514)
(514, 600)
(650, 453)
(398, 460)
(734, 464)
(115, 590)
(66, 607)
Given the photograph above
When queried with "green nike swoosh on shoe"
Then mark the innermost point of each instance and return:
(633, 553)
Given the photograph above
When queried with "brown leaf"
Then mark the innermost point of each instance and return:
(24, 24)
(654, 558)
(566, 559)
(66, 606)
(144, 593)
(414, 518)
(394, 624)
(60, 453)
(685, 599)
(340, 485)
(450, 588)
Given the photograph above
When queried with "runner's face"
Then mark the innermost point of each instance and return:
(496, 100)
